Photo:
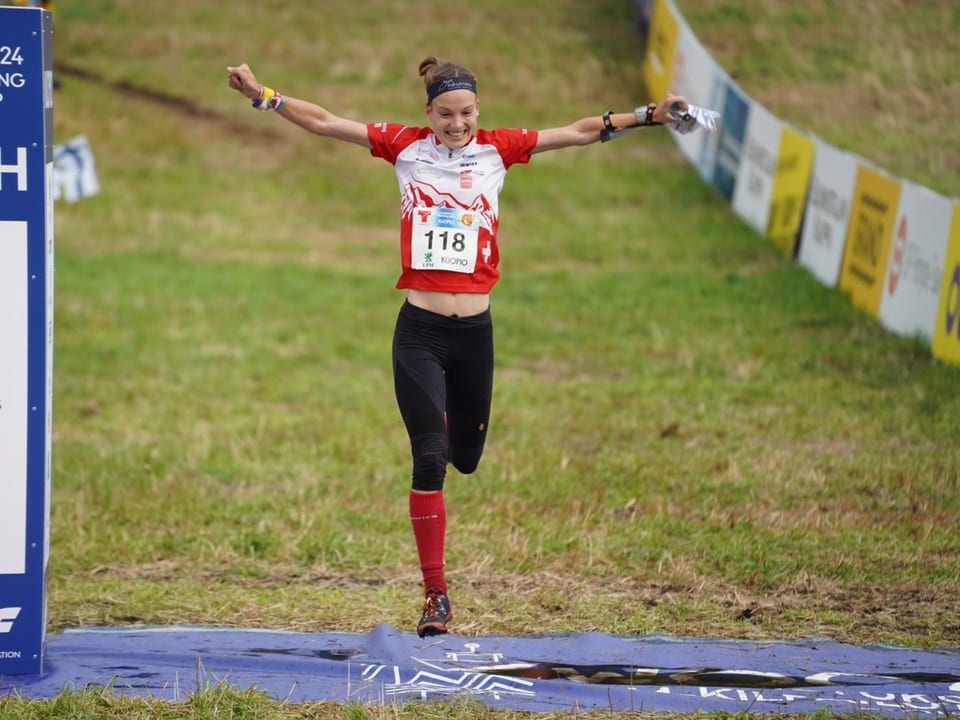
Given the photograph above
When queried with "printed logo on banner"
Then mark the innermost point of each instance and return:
(946, 327)
(7, 616)
(872, 215)
(758, 163)
(827, 212)
(912, 287)
(789, 194)
(729, 141)
(898, 249)
(661, 48)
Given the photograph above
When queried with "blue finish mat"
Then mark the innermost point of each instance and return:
(535, 673)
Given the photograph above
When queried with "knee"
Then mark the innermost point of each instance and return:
(429, 465)
(466, 461)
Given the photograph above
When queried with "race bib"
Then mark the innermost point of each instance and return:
(444, 239)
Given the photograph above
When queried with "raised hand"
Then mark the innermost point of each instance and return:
(242, 79)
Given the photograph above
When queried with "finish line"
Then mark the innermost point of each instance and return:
(545, 673)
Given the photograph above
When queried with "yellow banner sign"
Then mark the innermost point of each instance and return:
(876, 198)
(946, 329)
(661, 49)
(789, 195)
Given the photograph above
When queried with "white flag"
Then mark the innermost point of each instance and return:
(74, 170)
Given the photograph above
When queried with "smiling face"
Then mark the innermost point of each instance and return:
(453, 116)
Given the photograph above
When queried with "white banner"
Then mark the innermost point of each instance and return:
(912, 288)
(13, 397)
(758, 167)
(828, 212)
(694, 77)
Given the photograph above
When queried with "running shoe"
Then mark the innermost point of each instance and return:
(436, 614)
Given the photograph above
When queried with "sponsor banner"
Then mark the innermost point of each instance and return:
(915, 264)
(839, 216)
(946, 327)
(827, 212)
(789, 194)
(876, 197)
(758, 161)
(722, 150)
(695, 76)
(26, 331)
(661, 48)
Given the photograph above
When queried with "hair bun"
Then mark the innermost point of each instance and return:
(427, 63)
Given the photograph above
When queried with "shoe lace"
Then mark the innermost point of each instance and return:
(431, 604)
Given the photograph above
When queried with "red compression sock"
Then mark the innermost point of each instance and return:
(429, 519)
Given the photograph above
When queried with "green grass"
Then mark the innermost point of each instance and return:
(690, 435)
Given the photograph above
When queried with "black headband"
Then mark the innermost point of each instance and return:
(447, 84)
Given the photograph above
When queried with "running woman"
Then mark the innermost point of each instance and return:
(450, 175)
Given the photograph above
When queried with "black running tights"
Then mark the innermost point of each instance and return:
(443, 378)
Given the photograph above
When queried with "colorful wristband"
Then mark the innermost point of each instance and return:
(275, 103)
(266, 93)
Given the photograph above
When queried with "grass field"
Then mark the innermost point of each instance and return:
(690, 435)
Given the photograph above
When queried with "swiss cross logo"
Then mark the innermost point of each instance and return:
(7, 616)
(896, 262)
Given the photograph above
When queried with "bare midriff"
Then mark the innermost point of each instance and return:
(451, 304)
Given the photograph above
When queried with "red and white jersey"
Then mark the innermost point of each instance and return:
(449, 211)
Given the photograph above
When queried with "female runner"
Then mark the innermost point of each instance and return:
(450, 174)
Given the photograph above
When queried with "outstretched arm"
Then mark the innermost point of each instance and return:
(307, 115)
(587, 130)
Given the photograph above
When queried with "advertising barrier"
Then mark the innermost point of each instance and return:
(946, 329)
(827, 212)
(869, 230)
(912, 288)
(892, 246)
(26, 332)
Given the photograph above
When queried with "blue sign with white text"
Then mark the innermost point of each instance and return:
(26, 332)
